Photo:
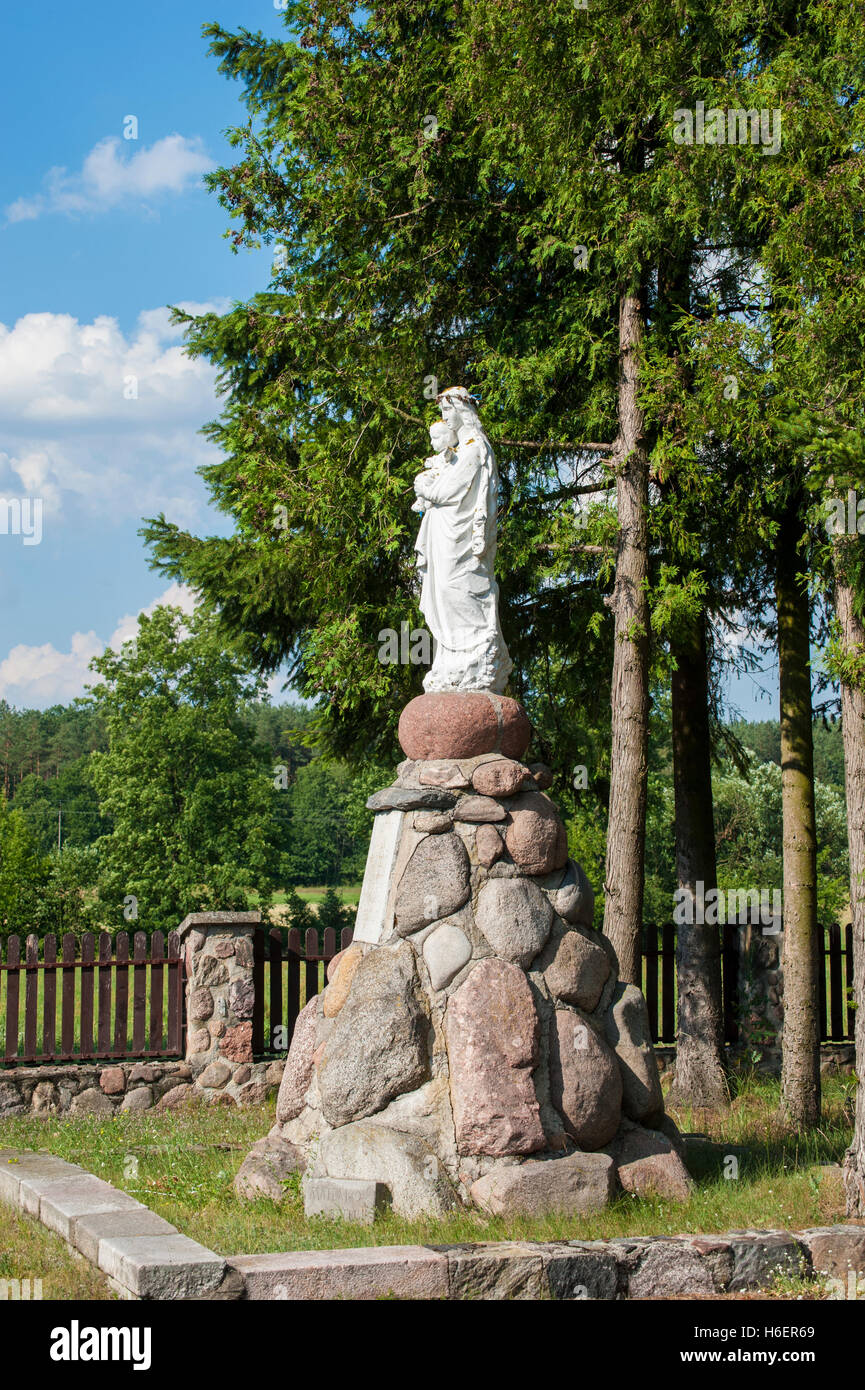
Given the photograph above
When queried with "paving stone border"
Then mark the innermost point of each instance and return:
(145, 1257)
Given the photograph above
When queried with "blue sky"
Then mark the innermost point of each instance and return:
(99, 408)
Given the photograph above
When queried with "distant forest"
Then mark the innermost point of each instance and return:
(323, 827)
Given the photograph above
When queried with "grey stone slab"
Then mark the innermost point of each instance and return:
(351, 1199)
(88, 1230)
(576, 1272)
(373, 920)
(403, 1271)
(69, 1198)
(501, 1271)
(759, 1255)
(169, 1266)
(18, 1166)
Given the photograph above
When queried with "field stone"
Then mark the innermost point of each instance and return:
(405, 1163)
(139, 1099)
(627, 1030)
(214, 1076)
(432, 822)
(45, 1099)
(463, 724)
(178, 1095)
(268, 1165)
(200, 1004)
(435, 883)
(515, 917)
(446, 950)
(574, 899)
(489, 845)
(223, 947)
(447, 775)
(241, 998)
(585, 1081)
(91, 1101)
(408, 799)
(297, 1076)
(479, 810)
(649, 1166)
(200, 1040)
(112, 1081)
(536, 838)
(210, 971)
(337, 991)
(503, 777)
(236, 1044)
(376, 1048)
(492, 1034)
(570, 1186)
(542, 775)
(577, 971)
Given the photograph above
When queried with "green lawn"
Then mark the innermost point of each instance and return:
(29, 1251)
(181, 1164)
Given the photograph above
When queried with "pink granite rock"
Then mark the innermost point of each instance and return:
(463, 726)
(536, 838)
(446, 775)
(578, 970)
(492, 1034)
(488, 844)
(585, 1081)
(478, 810)
(650, 1166)
(504, 777)
(572, 1185)
(298, 1069)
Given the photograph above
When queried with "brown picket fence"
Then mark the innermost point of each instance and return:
(288, 970)
(108, 1002)
(659, 981)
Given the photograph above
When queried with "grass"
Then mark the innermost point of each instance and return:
(182, 1165)
(29, 1251)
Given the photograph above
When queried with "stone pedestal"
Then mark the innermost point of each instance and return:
(474, 1044)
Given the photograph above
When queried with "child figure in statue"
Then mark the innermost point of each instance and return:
(443, 440)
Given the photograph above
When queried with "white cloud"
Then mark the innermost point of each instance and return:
(101, 424)
(107, 180)
(40, 676)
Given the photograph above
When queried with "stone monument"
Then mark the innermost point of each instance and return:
(474, 1045)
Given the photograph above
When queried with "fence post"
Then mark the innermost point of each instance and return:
(220, 993)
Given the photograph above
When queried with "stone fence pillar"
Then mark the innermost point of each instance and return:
(220, 995)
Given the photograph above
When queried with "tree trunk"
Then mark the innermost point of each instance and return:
(853, 729)
(800, 1065)
(700, 1060)
(626, 834)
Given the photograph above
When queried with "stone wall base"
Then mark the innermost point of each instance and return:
(101, 1088)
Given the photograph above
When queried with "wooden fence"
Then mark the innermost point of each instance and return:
(94, 992)
(659, 982)
(286, 974)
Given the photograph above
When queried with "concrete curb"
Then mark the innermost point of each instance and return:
(145, 1257)
(142, 1255)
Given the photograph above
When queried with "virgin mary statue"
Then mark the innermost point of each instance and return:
(456, 549)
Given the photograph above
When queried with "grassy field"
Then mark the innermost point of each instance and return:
(28, 1251)
(182, 1165)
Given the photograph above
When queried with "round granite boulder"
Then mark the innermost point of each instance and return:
(463, 725)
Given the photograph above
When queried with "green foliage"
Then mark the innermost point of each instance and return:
(23, 873)
(188, 791)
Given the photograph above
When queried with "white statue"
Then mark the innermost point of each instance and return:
(456, 546)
